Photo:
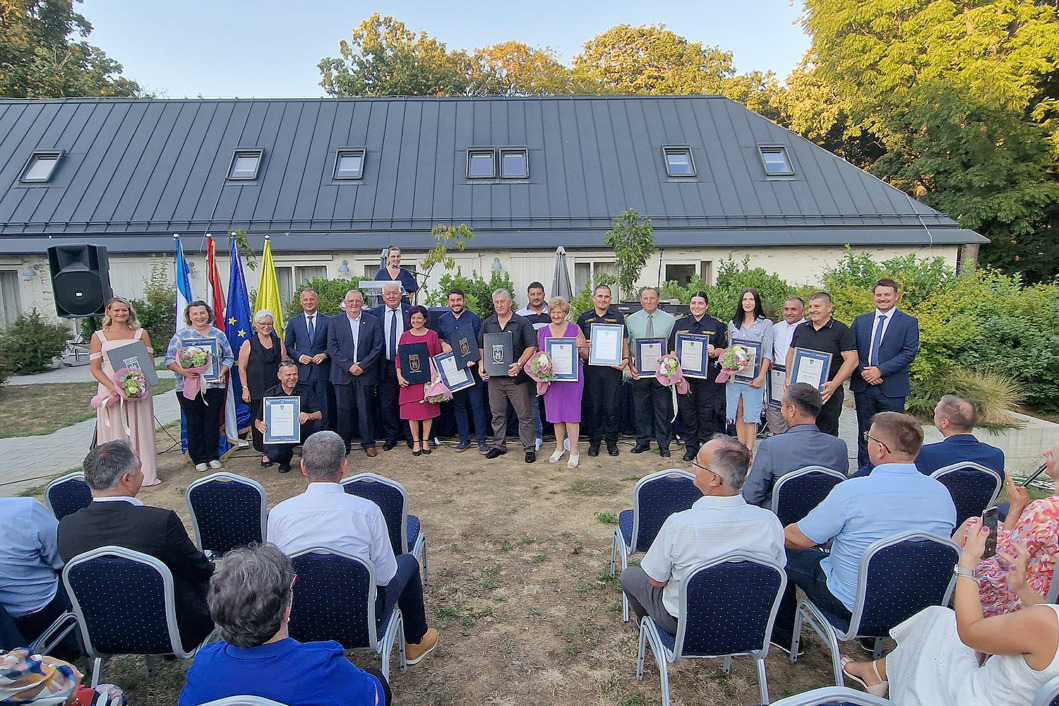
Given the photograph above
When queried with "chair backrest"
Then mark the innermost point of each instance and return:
(124, 603)
(227, 511)
(1049, 694)
(728, 606)
(833, 696)
(973, 487)
(243, 701)
(796, 493)
(656, 497)
(334, 599)
(900, 576)
(68, 494)
(392, 499)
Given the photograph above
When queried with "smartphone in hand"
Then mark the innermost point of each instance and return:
(989, 519)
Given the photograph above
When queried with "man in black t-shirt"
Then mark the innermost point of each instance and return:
(601, 399)
(310, 415)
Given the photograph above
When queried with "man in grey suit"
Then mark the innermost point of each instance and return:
(306, 343)
(354, 342)
(803, 444)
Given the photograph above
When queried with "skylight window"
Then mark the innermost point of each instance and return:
(678, 161)
(514, 164)
(481, 164)
(349, 164)
(776, 161)
(245, 165)
(41, 167)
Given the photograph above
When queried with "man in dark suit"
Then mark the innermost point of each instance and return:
(887, 343)
(116, 517)
(393, 315)
(306, 342)
(354, 343)
(309, 414)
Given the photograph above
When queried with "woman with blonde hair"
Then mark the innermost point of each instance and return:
(562, 400)
(259, 359)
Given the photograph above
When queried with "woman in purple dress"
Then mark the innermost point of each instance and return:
(414, 406)
(562, 400)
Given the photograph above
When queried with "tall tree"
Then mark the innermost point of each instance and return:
(44, 54)
(517, 69)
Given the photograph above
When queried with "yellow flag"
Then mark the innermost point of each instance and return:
(268, 290)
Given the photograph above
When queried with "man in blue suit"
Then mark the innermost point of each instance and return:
(306, 343)
(393, 315)
(887, 343)
(354, 342)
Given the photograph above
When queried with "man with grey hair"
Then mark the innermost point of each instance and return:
(393, 315)
(515, 386)
(354, 342)
(718, 523)
(250, 600)
(116, 517)
(326, 516)
(652, 401)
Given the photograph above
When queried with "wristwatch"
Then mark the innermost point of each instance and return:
(969, 573)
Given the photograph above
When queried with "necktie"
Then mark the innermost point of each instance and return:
(312, 329)
(873, 359)
(650, 326)
(393, 335)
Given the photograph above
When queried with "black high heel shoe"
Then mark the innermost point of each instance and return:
(414, 451)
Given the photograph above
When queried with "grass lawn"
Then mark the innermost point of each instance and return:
(32, 410)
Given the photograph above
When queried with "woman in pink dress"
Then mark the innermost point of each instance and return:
(120, 328)
(414, 407)
(562, 400)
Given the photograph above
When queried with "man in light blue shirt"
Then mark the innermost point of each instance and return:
(29, 566)
(652, 400)
(895, 498)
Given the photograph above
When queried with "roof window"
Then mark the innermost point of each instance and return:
(678, 161)
(481, 164)
(776, 161)
(514, 164)
(245, 165)
(41, 167)
(349, 164)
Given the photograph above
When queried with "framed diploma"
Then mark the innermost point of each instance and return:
(415, 365)
(281, 420)
(810, 367)
(754, 369)
(563, 352)
(606, 344)
(648, 351)
(213, 373)
(464, 346)
(777, 374)
(134, 355)
(692, 354)
(499, 351)
(454, 377)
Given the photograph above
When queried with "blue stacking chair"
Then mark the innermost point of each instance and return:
(727, 609)
(334, 599)
(68, 494)
(654, 498)
(973, 488)
(227, 512)
(795, 494)
(98, 581)
(899, 576)
(1049, 694)
(833, 696)
(405, 530)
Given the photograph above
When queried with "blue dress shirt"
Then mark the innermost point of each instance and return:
(29, 558)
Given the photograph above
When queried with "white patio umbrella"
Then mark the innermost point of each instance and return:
(561, 286)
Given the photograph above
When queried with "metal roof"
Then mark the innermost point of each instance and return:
(135, 171)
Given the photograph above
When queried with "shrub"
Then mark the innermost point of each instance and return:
(995, 394)
(582, 301)
(330, 292)
(733, 278)
(478, 292)
(31, 343)
(156, 312)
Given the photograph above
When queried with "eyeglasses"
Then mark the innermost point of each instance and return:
(872, 438)
(720, 478)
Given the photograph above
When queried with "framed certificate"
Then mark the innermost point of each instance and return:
(777, 374)
(464, 346)
(563, 352)
(134, 355)
(692, 354)
(281, 420)
(606, 344)
(810, 367)
(454, 377)
(415, 367)
(754, 369)
(499, 351)
(648, 351)
(212, 373)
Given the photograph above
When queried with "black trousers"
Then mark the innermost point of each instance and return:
(600, 404)
(33, 625)
(354, 399)
(702, 411)
(325, 391)
(390, 405)
(256, 437)
(203, 421)
(283, 454)
(653, 402)
(869, 402)
(827, 420)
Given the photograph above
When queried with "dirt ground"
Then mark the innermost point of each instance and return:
(519, 586)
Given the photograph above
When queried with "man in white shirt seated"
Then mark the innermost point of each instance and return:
(326, 516)
(716, 524)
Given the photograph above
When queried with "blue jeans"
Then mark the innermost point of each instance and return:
(406, 590)
(803, 571)
(481, 420)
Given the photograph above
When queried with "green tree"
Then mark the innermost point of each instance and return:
(517, 69)
(633, 241)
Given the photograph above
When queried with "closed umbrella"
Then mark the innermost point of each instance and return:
(561, 286)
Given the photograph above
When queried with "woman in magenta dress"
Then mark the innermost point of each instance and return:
(562, 400)
(413, 407)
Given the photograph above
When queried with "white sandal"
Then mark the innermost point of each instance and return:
(572, 463)
(554, 458)
(882, 689)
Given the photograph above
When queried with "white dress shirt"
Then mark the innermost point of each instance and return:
(875, 325)
(782, 333)
(388, 319)
(354, 328)
(325, 515)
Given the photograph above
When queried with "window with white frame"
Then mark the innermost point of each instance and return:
(586, 273)
(10, 300)
(291, 279)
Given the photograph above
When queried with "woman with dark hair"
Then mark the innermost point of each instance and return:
(393, 272)
(259, 359)
(745, 400)
(202, 413)
(702, 409)
(414, 406)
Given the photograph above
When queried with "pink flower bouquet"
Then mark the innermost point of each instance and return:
(131, 384)
(539, 367)
(735, 359)
(194, 360)
(670, 375)
(436, 391)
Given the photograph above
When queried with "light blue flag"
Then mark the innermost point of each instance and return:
(185, 294)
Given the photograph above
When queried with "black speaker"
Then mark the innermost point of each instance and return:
(80, 280)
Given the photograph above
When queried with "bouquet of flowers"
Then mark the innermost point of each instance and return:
(194, 360)
(735, 359)
(131, 384)
(539, 367)
(436, 391)
(669, 374)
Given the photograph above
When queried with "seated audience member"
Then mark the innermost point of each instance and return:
(116, 517)
(718, 523)
(1029, 539)
(250, 600)
(326, 516)
(939, 656)
(309, 416)
(801, 445)
(895, 498)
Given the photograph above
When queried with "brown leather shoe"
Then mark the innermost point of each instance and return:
(372, 453)
(415, 652)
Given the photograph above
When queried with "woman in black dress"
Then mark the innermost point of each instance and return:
(259, 359)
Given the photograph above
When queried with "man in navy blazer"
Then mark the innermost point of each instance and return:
(355, 369)
(309, 351)
(393, 325)
(887, 343)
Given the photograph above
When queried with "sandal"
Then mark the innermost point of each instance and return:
(882, 689)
